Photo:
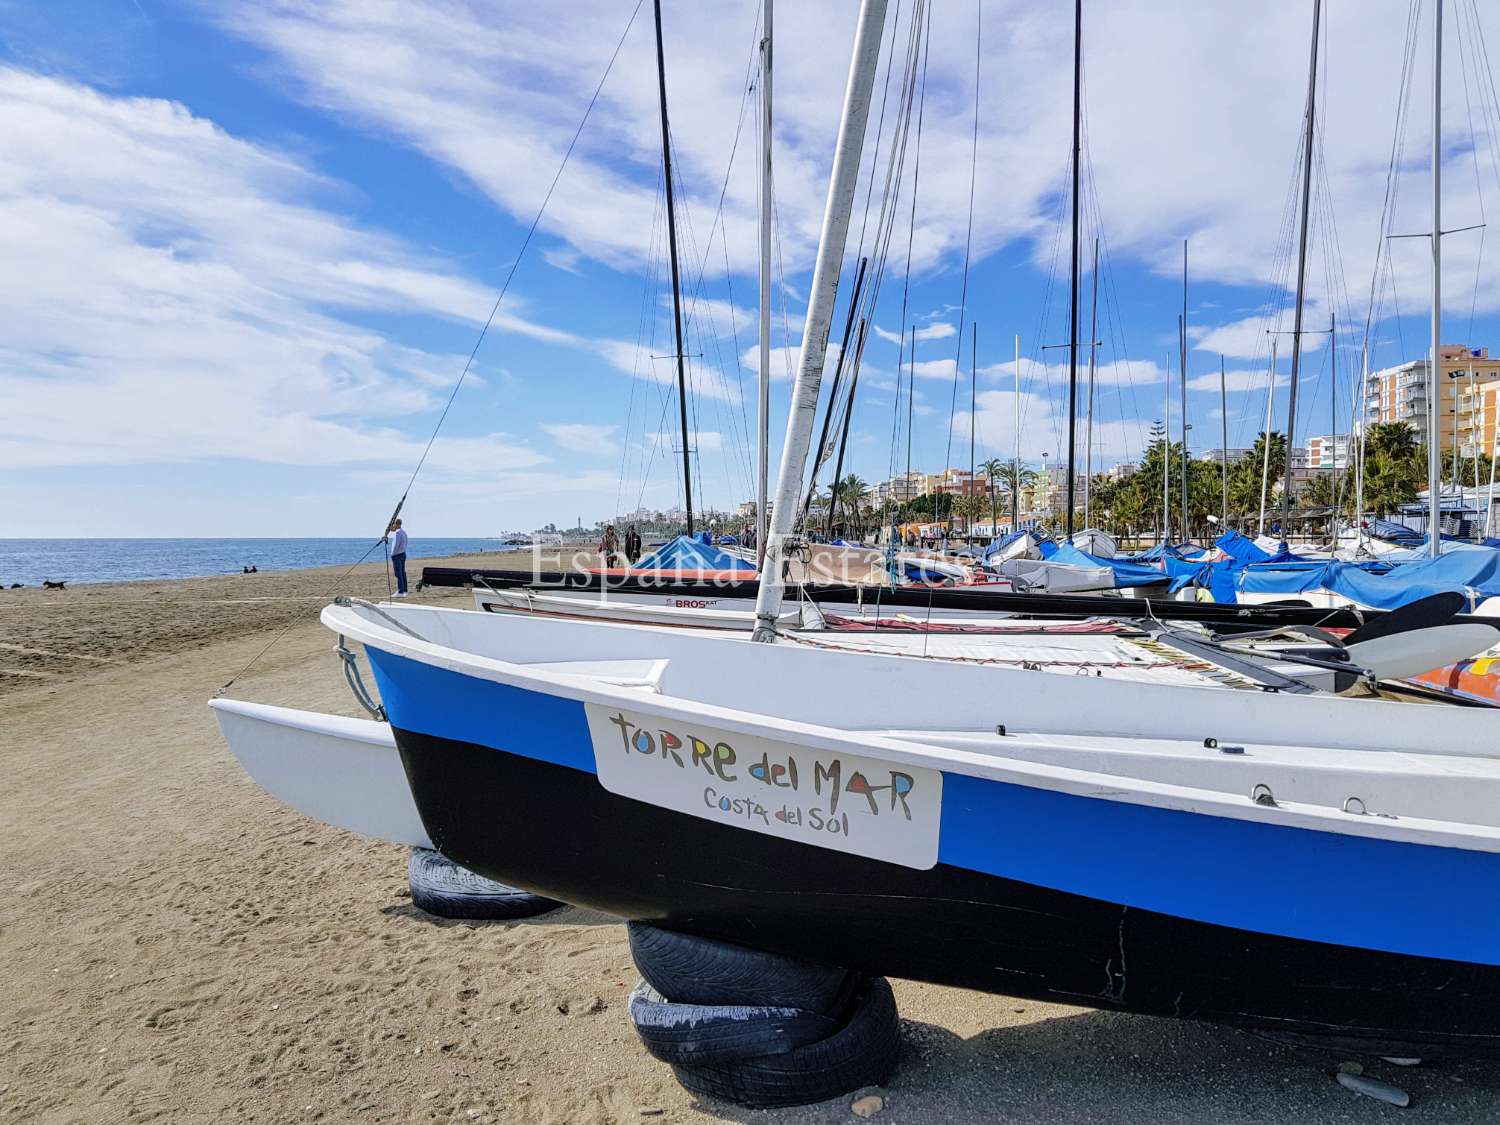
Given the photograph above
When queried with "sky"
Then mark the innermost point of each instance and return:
(247, 250)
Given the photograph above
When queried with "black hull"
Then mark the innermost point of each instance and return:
(557, 831)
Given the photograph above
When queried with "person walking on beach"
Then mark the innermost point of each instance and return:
(398, 556)
(632, 545)
(609, 546)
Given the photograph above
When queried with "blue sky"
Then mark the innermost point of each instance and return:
(246, 249)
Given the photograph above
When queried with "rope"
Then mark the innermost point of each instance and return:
(468, 363)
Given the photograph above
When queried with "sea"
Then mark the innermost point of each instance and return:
(81, 561)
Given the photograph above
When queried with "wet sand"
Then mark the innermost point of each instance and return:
(179, 947)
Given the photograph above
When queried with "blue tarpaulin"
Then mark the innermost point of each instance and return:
(684, 553)
(1126, 573)
(1474, 573)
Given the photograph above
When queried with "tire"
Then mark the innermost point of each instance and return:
(697, 970)
(701, 1034)
(441, 887)
(863, 1053)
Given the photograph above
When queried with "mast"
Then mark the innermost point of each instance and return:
(1307, 155)
(1088, 429)
(804, 406)
(1265, 466)
(974, 403)
(1434, 452)
(1166, 458)
(763, 414)
(1223, 448)
(838, 465)
(1015, 483)
(1073, 297)
(1182, 372)
(820, 454)
(666, 162)
(1364, 426)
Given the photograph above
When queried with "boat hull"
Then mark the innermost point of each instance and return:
(555, 830)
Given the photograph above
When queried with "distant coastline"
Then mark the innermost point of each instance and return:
(89, 561)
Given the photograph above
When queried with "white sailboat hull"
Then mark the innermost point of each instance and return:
(343, 772)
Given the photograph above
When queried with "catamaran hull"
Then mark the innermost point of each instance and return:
(1035, 893)
(555, 830)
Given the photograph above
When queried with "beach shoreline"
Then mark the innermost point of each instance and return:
(180, 947)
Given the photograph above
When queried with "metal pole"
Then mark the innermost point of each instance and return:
(1307, 155)
(819, 453)
(1223, 448)
(1489, 509)
(1166, 458)
(1434, 371)
(804, 406)
(1015, 484)
(1088, 430)
(1265, 468)
(838, 465)
(1364, 427)
(974, 406)
(666, 161)
(1472, 403)
(763, 417)
(1073, 299)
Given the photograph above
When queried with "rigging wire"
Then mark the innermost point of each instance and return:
(520, 255)
(963, 299)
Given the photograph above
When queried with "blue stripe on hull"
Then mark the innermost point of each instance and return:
(1293, 882)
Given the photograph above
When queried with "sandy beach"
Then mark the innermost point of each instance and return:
(180, 947)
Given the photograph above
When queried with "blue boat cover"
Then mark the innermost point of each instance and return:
(1126, 573)
(684, 553)
(1474, 573)
(1169, 550)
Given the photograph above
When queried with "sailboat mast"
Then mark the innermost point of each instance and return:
(1265, 463)
(1166, 457)
(1364, 426)
(1182, 467)
(825, 279)
(1434, 443)
(1073, 298)
(1223, 448)
(1307, 156)
(1015, 483)
(666, 162)
(974, 405)
(763, 410)
(1088, 429)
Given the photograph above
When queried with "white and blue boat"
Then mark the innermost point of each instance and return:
(1304, 865)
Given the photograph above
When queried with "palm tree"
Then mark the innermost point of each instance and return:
(849, 494)
(1016, 478)
(992, 470)
(1395, 466)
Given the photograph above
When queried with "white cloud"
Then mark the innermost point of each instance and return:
(579, 437)
(496, 100)
(939, 331)
(204, 328)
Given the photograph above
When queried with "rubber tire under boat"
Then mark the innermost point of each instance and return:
(699, 970)
(704, 1034)
(862, 1053)
(441, 887)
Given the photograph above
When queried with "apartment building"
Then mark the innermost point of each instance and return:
(1467, 383)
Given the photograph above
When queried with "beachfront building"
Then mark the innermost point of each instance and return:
(1468, 384)
(899, 489)
(1223, 456)
(1328, 453)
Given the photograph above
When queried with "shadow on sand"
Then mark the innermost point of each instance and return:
(1106, 1067)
